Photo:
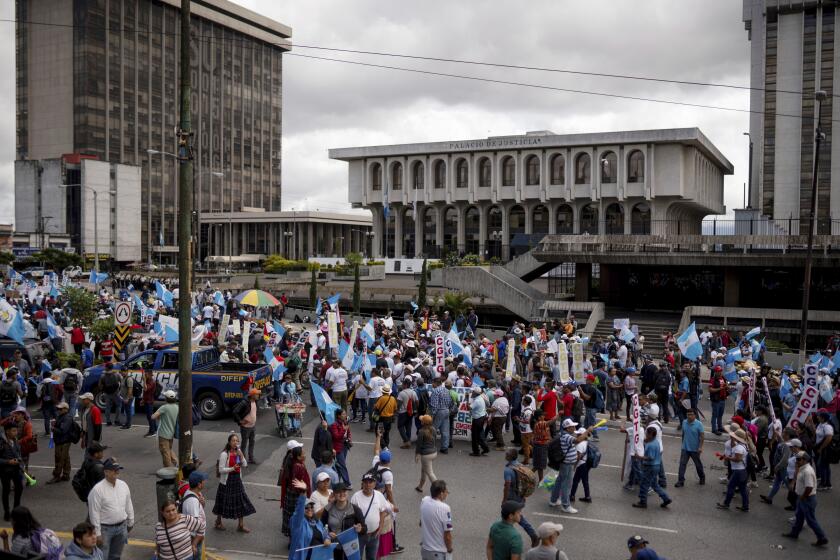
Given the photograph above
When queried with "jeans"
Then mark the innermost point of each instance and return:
(635, 476)
(581, 476)
(360, 404)
(778, 479)
(6, 411)
(589, 419)
(497, 424)
(717, 415)
(698, 465)
(112, 401)
(368, 546)
(128, 411)
(404, 427)
(650, 479)
(823, 469)
(526, 525)
(563, 484)
(806, 512)
(341, 466)
(114, 538)
(72, 400)
(247, 435)
(150, 410)
(738, 481)
(387, 422)
(479, 444)
(50, 413)
(441, 424)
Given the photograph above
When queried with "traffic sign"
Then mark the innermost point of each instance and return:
(121, 335)
(122, 313)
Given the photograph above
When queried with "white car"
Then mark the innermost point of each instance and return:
(73, 271)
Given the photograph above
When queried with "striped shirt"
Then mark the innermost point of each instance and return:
(178, 544)
(568, 443)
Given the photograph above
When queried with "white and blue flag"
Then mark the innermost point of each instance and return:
(218, 298)
(163, 294)
(278, 368)
(325, 404)
(626, 335)
(11, 322)
(753, 333)
(456, 346)
(689, 343)
(346, 355)
(368, 334)
(97, 277)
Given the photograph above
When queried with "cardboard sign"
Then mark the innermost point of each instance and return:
(246, 334)
(563, 362)
(619, 324)
(577, 360)
(332, 330)
(223, 327)
(510, 365)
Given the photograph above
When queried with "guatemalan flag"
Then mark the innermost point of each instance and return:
(626, 335)
(753, 333)
(277, 366)
(346, 355)
(163, 294)
(325, 404)
(368, 334)
(97, 277)
(689, 343)
(11, 322)
(457, 348)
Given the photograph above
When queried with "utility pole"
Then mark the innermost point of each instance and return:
(806, 282)
(185, 190)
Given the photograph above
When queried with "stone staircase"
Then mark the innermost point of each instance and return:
(497, 283)
(651, 326)
(527, 267)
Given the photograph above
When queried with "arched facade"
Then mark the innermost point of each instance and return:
(640, 219)
(462, 174)
(508, 171)
(532, 170)
(540, 218)
(430, 217)
(609, 167)
(589, 219)
(614, 219)
(583, 169)
(516, 226)
(408, 232)
(485, 172)
(450, 230)
(376, 177)
(495, 226)
(636, 167)
(396, 176)
(565, 220)
(418, 176)
(558, 169)
(439, 174)
(472, 230)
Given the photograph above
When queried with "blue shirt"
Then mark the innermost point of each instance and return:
(510, 477)
(683, 386)
(653, 455)
(691, 432)
(87, 358)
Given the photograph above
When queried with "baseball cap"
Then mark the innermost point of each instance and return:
(340, 487)
(111, 464)
(293, 444)
(385, 456)
(197, 477)
(368, 477)
(322, 476)
(795, 442)
(511, 506)
(88, 396)
(170, 394)
(635, 541)
(547, 529)
(590, 377)
(569, 423)
(96, 447)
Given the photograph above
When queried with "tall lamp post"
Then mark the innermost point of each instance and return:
(806, 282)
(95, 218)
(288, 235)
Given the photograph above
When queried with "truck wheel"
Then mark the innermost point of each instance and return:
(100, 401)
(211, 406)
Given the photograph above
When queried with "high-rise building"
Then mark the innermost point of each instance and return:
(794, 53)
(100, 78)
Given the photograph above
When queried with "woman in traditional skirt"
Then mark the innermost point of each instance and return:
(231, 500)
(293, 470)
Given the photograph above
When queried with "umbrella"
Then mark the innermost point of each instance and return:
(257, 298)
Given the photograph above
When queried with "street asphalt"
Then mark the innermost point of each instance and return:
(690, 528)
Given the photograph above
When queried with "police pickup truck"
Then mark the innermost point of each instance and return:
(216, 386)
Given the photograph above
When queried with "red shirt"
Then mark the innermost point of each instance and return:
(549, 400)
(96, 415)
(106, 349)
(568, 403)
(77, 336)
(339, 431)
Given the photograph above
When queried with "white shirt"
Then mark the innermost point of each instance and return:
(452, 377)
(110, 504)
(806, 478)
(361, 390)
(338, 378)
(658, 427)
(739, 449)
(320, 500)
(193, 507)
(379, 505)
(207, 311)
(581, 449)
(824, 430)
(500, 407)
(376, 385)
(435, 521)
(387, 476)
(621, 354)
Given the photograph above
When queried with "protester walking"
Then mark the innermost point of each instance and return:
(65, 430)
(806, 502)
(167, 417)
(245, 414)
(425, 452)
(111, 511)
(692, 447)
(177, 535)
(436, 523)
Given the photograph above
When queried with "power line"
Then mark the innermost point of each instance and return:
(213, 38)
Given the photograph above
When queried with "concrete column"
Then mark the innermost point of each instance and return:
(583, 280)
(347, 244)
(418, 232)
(731, 287)
(398, 232)
(310, 240)
(462, 228)
(529, 220)
(376, 250)
(439, 208)
(505, 233)
(482, 232)
(552, 219)
(300, 251)
(628, 209)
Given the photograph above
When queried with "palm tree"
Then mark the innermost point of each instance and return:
(456, 303)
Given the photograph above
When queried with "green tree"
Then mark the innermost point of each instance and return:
(101, 328)
(455, 302)
(81, 305)
(421, 290)
(7, 258)
(313, 289)
(353, 259)
(55, 259)
(357, 291)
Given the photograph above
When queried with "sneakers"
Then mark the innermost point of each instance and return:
(569, 509)
(821, 542)
(679, 484)
(640, 505)
(823, 488)
(553, 504)
(666, 503)
(722, 506)
(765, 499)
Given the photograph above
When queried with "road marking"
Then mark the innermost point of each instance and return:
(260, 484)
(606, 522)
(354, 441)
(618, 467)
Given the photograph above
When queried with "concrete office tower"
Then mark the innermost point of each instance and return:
(100, 78)
(794, 52)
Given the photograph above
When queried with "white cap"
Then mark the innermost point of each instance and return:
(569, 423)
(653, 410)
(170, 394)
(292, 444)
(322, 476)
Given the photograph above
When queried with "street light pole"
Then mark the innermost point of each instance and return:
(749, 173)
(806, 282)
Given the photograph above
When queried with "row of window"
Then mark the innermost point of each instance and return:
(557, 170)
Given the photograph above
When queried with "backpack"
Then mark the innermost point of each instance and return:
(577, 407)
(833, 450)
(75, 432)
(80, 483)
(376, 472)
(293, 363)
(454, 404)
(663, 381)
(187, 497)
(8, 394)
(71, 384)
(526, 481)
(240, 410)
(556, 452)
(599, 400)
(409, 407)
(110, 383)
(45, 542)
(593, 455)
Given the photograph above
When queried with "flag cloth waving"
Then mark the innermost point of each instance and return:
(689, 343)
(11, 322)
(325, 404)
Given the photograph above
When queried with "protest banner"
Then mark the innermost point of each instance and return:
(808, 399)
(246, 335)
(223, 328)
(511, 361)
(332, 330)
(563, 362)
(577, 361)
(440, 354)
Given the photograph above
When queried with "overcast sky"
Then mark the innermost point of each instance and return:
(331, 104)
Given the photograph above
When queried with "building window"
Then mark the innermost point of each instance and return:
(440, 174)
(558, 170)
(508, 172)
(636, 167)
(484, 172)
(418, 176)
(532, 170)
(589, 219)
(609, 167)
(376, 177)
(640, 219)
(461, 174)
(565, 220)
(614, 218)
(583, 169)
(396, 177)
